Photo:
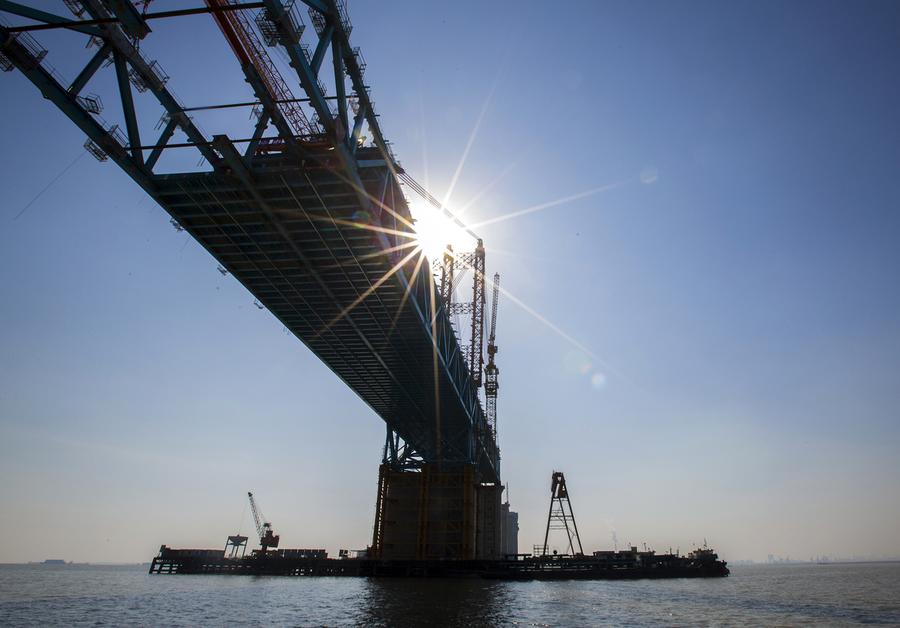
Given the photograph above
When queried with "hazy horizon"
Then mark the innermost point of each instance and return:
(720, 355)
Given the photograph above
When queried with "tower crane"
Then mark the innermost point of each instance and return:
(267, 536)
(490, 371)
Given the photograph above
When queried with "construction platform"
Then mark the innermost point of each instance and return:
(623, 565)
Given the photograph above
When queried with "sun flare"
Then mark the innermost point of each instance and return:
(435, 231)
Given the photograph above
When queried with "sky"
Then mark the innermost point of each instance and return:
(705, 339)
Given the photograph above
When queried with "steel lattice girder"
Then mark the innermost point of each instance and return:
(272, 221)
(390, 365)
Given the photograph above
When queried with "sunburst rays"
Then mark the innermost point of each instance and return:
(555, 203)
(471, 141)
(368, 291)
(414, 240)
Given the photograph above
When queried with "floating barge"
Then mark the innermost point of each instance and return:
(389, 555)
(622, 565)
(271, 563)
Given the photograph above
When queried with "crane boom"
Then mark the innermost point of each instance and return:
(476, 354)
(267, 536)
(491, 372)
(257, 516)
(495, 300)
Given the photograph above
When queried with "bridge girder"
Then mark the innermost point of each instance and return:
(311, 225)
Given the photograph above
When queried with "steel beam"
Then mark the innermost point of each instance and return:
(132, 22)
(134, 136)
(359, 87)
(309, 82)
(261, 126)
(321, 47)
(48, 18)
(68, 104)
(308, 77)
(120, 42)
(161, 143)
(90, 69)
(83, 25)
(341, 90)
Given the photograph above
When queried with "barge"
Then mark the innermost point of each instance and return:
(384, 559)
(621, 565)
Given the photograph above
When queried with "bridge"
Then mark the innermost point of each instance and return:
(307, 210)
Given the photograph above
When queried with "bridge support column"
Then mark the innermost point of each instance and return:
(433, 513)
(489, 528)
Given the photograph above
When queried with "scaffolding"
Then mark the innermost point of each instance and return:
(156, 79)
(91, 103)
(34, 53)
(273, 35)
(473, 261)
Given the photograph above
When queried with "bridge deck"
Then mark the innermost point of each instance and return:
(296, 243)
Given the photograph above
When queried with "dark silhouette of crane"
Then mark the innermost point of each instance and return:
(267, 536)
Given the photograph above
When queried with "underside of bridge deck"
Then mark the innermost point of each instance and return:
(347, 283)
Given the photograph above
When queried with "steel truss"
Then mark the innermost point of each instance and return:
(398, 454)
(281, 215)
(474, 261)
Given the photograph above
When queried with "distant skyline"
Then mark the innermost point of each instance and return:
(693, 206)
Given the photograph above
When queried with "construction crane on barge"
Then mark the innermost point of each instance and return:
(267, 536)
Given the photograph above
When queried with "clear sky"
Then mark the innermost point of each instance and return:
(728, 365)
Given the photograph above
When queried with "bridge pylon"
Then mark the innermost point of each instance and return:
(436, 512)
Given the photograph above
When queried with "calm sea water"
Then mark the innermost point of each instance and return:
(816, 595)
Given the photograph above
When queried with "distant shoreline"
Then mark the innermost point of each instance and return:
(823, 562)
(853, 562)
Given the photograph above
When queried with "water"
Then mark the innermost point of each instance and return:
(819, 595)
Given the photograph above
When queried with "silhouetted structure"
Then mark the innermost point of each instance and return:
(310, 216)
(561, 516)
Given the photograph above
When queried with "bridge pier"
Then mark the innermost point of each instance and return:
(436, 512)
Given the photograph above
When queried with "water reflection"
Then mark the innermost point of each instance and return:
(438, 602)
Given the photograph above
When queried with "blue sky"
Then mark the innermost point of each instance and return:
(732, 296)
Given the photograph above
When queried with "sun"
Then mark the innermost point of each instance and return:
(435, 231)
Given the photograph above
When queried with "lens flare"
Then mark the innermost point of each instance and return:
(435, 231)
